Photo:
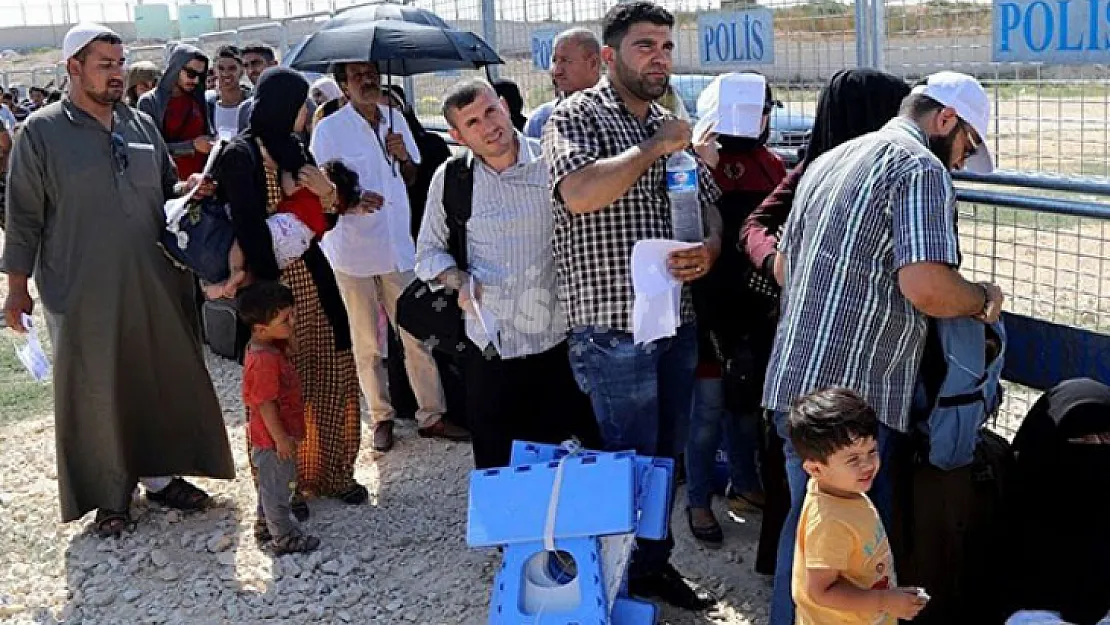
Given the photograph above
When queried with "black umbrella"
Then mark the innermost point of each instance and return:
(388, 11)
(400, 48)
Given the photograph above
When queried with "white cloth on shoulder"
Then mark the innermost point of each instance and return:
(291, 237)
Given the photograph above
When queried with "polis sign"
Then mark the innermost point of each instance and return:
(1068, 32)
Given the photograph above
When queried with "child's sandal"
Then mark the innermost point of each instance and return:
(295, 543)
(262, 531)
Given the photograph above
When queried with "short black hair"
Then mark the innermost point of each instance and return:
(828, 420)
(262, 50)
(41, 90)
(109, 38)
(7, 95)
(230, 52)
(339, 70)
(918, 105)
(620, 18)
(463, 93)
(261, 302)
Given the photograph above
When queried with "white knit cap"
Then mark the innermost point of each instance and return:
(80, 36)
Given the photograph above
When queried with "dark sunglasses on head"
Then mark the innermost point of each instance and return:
(119, 153)
(192, 73)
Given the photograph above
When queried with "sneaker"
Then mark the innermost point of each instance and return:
(744, 503)
(383, 436)
(447, 431)
(668, 585)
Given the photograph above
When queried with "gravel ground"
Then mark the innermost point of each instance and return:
(400, 559)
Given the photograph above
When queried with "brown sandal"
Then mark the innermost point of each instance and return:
(181, 495)
(111, 524)
(295, 543)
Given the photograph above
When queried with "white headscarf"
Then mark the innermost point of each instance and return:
(328, 87)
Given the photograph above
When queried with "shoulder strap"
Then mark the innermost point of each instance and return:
(458, 194)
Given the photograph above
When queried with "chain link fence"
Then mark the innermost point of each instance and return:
(1047, 118)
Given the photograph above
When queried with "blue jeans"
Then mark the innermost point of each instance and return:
(741, 442)
(642, 397)
(881, 494)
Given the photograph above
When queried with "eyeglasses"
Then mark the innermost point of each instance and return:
(119, 153)
(192, 73)
(973, 145)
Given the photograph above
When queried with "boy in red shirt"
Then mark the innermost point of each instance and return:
(275, 413)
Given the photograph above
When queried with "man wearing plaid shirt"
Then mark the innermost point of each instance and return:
(868, 255)
(607, 148)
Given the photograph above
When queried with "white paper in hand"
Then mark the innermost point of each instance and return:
(733, 105)
(484, 330)
(176, 208)
(656, 310)
(31, 353)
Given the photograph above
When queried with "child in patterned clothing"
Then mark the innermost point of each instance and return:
(843, 568)
(275, 413)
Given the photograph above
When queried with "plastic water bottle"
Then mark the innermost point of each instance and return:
(682, 189)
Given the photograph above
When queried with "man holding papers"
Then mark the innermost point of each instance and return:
(520, 387)
(132, 396)
(607, 147)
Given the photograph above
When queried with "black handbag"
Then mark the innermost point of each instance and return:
(433, 315)
(201, 238)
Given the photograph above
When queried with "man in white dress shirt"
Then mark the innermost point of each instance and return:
(373, 255)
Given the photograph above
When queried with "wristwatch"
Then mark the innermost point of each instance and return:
(986, 300)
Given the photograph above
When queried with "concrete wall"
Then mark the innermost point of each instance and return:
(21, 38)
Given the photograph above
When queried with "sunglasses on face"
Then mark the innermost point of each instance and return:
(972, 143)
(192, 73)
(119, 153)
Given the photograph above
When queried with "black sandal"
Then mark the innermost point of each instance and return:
(181, 495)
(709, 535)
(295, 543)
(300, 510)
(355, 495)
(262, 531)
(111, 524)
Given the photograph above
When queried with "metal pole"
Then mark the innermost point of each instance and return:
(489, 32)
(862, 57)
(878, 34)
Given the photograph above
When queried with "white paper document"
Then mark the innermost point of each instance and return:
(485, 329)
(31, 353)
(175, 208)
(656, 310)
(733, 105)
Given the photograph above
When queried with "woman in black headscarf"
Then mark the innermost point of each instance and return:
(854, 103)
(508, 90)
(248, 178)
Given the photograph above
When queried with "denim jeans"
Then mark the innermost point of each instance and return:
(741, 433)
(881, 494)
(642, 397)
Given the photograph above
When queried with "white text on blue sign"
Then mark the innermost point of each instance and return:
(543, 45)
(736, 38)
(1070, 32)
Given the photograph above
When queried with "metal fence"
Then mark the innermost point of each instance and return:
(1045, 244)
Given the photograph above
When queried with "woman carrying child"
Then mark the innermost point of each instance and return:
(249, 177)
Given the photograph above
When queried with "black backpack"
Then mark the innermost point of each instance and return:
(1058, 505)
(432, 315)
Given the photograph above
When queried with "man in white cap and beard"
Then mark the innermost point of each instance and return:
(869, 253)
(133, 400)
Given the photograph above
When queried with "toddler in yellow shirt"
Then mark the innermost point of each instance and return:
(843, 568)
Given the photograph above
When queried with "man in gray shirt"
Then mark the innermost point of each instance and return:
(575, 65)
(521, 386)
(133, 400)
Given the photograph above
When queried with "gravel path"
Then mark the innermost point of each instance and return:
(400, 559)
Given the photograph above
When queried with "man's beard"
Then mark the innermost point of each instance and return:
(637, 85)
(108, 96)
(942, 146)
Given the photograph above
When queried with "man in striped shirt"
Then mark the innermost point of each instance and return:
(521, 387)
(869, 253)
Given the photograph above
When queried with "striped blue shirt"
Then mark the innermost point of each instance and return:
(863, 211)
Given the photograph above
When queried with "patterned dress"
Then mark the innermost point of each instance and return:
(326, 457)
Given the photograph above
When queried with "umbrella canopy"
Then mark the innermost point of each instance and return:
(387, 11)
(401, 48)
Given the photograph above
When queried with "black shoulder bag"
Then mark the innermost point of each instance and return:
(433, 315)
